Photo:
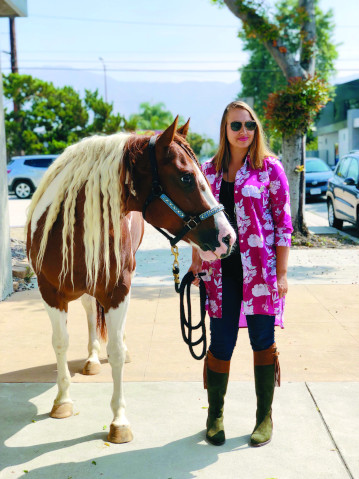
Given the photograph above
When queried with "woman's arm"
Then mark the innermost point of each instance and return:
(196, 266)
(282, 266)
(280, 205)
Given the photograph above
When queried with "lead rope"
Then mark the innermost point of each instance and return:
(187, 323)
(175, 268)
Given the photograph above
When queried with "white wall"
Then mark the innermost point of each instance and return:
(343, 142)
(5, 251)
(326, 147)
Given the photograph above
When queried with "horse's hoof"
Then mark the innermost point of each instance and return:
(128, 357)
(91, 368)
(119, 434)
(60, 411)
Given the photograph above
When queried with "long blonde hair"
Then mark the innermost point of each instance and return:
(259, 148)
(95, 163)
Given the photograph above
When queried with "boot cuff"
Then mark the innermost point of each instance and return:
(217, 365)
(267, 357)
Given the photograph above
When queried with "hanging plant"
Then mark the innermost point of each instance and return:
(293, 109)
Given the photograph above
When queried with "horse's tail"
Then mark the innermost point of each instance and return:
(101, 323)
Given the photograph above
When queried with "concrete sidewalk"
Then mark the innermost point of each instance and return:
(168, 420)
(316, 410)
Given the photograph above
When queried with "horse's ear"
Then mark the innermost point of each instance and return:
(183, 130)
(167, 136)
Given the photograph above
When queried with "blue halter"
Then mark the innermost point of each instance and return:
(190, 222)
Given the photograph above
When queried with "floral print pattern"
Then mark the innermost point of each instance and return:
(264, 221)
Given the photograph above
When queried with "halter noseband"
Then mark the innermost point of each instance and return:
(191, 222)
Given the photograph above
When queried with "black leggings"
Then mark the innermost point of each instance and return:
(224, 331)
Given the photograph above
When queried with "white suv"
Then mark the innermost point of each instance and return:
(25, 172)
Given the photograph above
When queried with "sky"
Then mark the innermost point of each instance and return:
(158, 40)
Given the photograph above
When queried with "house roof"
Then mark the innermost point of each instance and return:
(13, 8)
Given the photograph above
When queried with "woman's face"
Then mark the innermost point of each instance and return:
(243, 138)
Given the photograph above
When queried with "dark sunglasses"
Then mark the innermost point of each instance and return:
(249, 125)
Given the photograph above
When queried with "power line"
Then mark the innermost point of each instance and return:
(141, 70)
(130, 61)
(126, 22)
(154, 70)
(131, 22)
(46, 60)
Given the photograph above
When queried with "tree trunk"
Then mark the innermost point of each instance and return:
(6, 287)
(293, 157)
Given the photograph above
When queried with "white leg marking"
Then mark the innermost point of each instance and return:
(46, 200)
(60, 343)
(116, 351)
(93, 363)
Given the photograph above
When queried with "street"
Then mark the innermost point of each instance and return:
(319, 207)
(18, 208)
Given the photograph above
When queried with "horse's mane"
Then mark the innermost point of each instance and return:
(98, 164)
(94, 162)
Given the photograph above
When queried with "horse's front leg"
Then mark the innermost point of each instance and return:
(120, 430)
(60, 341)
(92, 365)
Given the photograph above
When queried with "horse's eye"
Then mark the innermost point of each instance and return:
(187, 179)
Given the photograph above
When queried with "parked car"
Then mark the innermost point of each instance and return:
(317, 174)
(25, 172)
(343, 192)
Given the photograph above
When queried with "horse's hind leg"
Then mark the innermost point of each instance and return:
(92, 365)
(60, 340)
(115, 320)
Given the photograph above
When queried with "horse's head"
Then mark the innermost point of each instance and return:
(184, 184)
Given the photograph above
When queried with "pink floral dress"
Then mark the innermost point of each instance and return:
(263, 215)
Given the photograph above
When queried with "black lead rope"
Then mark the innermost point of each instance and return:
(187, 323)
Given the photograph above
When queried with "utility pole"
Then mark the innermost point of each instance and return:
(105, 76)
(14, 67)
(9, 10)
(13, 55)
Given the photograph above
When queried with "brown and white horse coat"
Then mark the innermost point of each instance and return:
(85, 226)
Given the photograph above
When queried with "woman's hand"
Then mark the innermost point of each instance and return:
(196, 266)
(282, 284)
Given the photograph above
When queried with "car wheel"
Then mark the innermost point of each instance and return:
(334, 222)
(23, 190)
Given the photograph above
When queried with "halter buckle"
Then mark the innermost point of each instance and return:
(157, 189)
(192, 223)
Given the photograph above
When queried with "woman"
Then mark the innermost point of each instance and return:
(247, 288)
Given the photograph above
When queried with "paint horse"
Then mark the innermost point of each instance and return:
(85, 224)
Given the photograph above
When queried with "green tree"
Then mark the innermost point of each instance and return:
(262, 76)
(48, 118)
(103, 118)
(157, 117)
(152, 117)
(291, 109)
(197, 141)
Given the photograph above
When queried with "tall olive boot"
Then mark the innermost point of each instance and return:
(216, 373)
(267, 375)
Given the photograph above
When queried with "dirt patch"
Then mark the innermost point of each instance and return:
(322, 241)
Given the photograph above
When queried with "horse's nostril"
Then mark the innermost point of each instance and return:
(226, 240)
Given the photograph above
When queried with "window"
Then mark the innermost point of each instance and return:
(316, 166)
(39, 162)
(343, 167)
(353, 171)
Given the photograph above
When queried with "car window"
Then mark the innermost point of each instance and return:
(39, 162)
(343, 167)
(316, 166)
(353, 171)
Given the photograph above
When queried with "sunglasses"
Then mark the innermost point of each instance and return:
(248, 125)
